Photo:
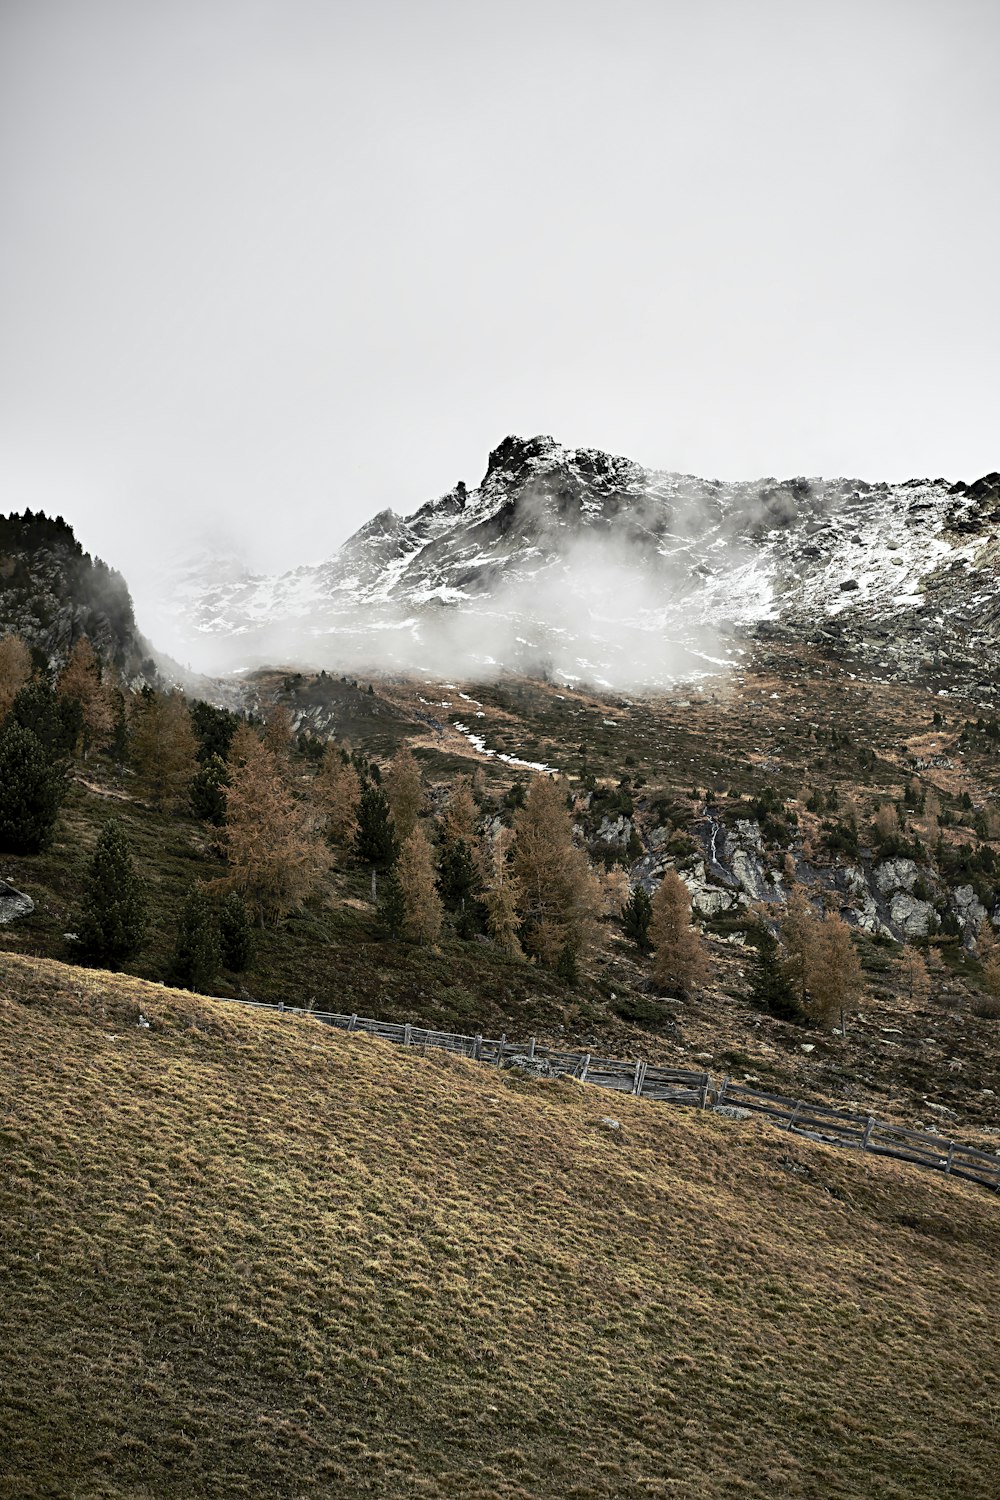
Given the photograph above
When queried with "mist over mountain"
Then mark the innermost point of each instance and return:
(587, 566)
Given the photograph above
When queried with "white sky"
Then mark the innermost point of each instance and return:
(266, 268)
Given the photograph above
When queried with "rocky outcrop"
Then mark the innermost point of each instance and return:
(13, 903)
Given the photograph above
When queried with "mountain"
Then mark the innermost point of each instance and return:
(52, 592)
(590, 567)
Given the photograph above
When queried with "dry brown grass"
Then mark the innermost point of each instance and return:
(248, 1256)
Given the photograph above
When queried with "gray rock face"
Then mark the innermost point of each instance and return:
(709, 900)
(910, 916)
(895, 875)
(13, 903)
(615, 831)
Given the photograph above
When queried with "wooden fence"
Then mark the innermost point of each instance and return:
(818, 1122)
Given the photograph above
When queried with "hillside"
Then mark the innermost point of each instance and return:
(248, 1256)
(52, 593)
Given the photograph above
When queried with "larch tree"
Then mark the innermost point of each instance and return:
(337, 790)
(559, 895)
(276, 855)
(405, 792)
(460, 815)
(15, 670)
(164, 747)
(278, 731)
(915, 975)
(80, 681)
(799, 930)
(679, 960)
(501, 893)
(416, 877)
(833, 975)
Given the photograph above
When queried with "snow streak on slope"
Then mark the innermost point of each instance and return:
(589, 567)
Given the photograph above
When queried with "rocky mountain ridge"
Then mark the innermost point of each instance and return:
(577, 562)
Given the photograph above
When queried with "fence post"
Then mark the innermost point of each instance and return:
(531, 1050)
(503, 1043)
(281, 1004)
(703, 1104)
(407, 1034)
(722, 1090)
(583, 1071)
(870, 1126)
(951, 1153)
(794, 1115)
(477, 1046)
(640, 1070)
(352, 1022)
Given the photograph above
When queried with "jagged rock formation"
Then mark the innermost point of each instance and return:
(598, 558)
(52, 593)
(13, 903)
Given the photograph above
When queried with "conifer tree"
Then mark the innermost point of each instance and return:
(208, 791)
(196, 956)
(679, 961)
(405, 792)
(461, 815)
(163, 746)
(80, 682)
(800, 929)
(32, 787)
(276, 855)
(391, 906)
(113, 924)
(213, 728)
(337, 789)
(915, 975)
(636, 917)
(15, 670)
(236, 939)
(55, 723)
(501, 894)
(771, 989)
(559, 896)
(833, 974)
(415, 876)
(989, 958)
(375, 842)
(278, 731)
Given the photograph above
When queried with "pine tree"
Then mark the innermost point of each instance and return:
(391, 906)
(422, 908)
(80, 682)
(113, 924)
(636, 918)
(405, 792)
(207, 791)
(771, 989)
(337, 790)
(196, 956)
(236, 939)
(457, 879)
(679, 961)
(55, 724)
(15, 670)
(276, 855)
(213, 728)
(375, 841)
(567, 968)
(32, 787)
(558, 893)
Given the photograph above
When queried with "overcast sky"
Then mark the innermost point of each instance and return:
(266, 268)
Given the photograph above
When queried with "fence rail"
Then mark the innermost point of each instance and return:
(820, 1122)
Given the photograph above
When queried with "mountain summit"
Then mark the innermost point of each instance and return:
(586, 565)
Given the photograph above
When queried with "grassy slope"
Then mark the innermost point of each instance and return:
(246, 1256)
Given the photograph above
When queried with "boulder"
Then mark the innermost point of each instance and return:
(969, 910)
(708, 900)
(615, 831)
(13, 903)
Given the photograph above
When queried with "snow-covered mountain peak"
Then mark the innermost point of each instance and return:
(586, 563)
